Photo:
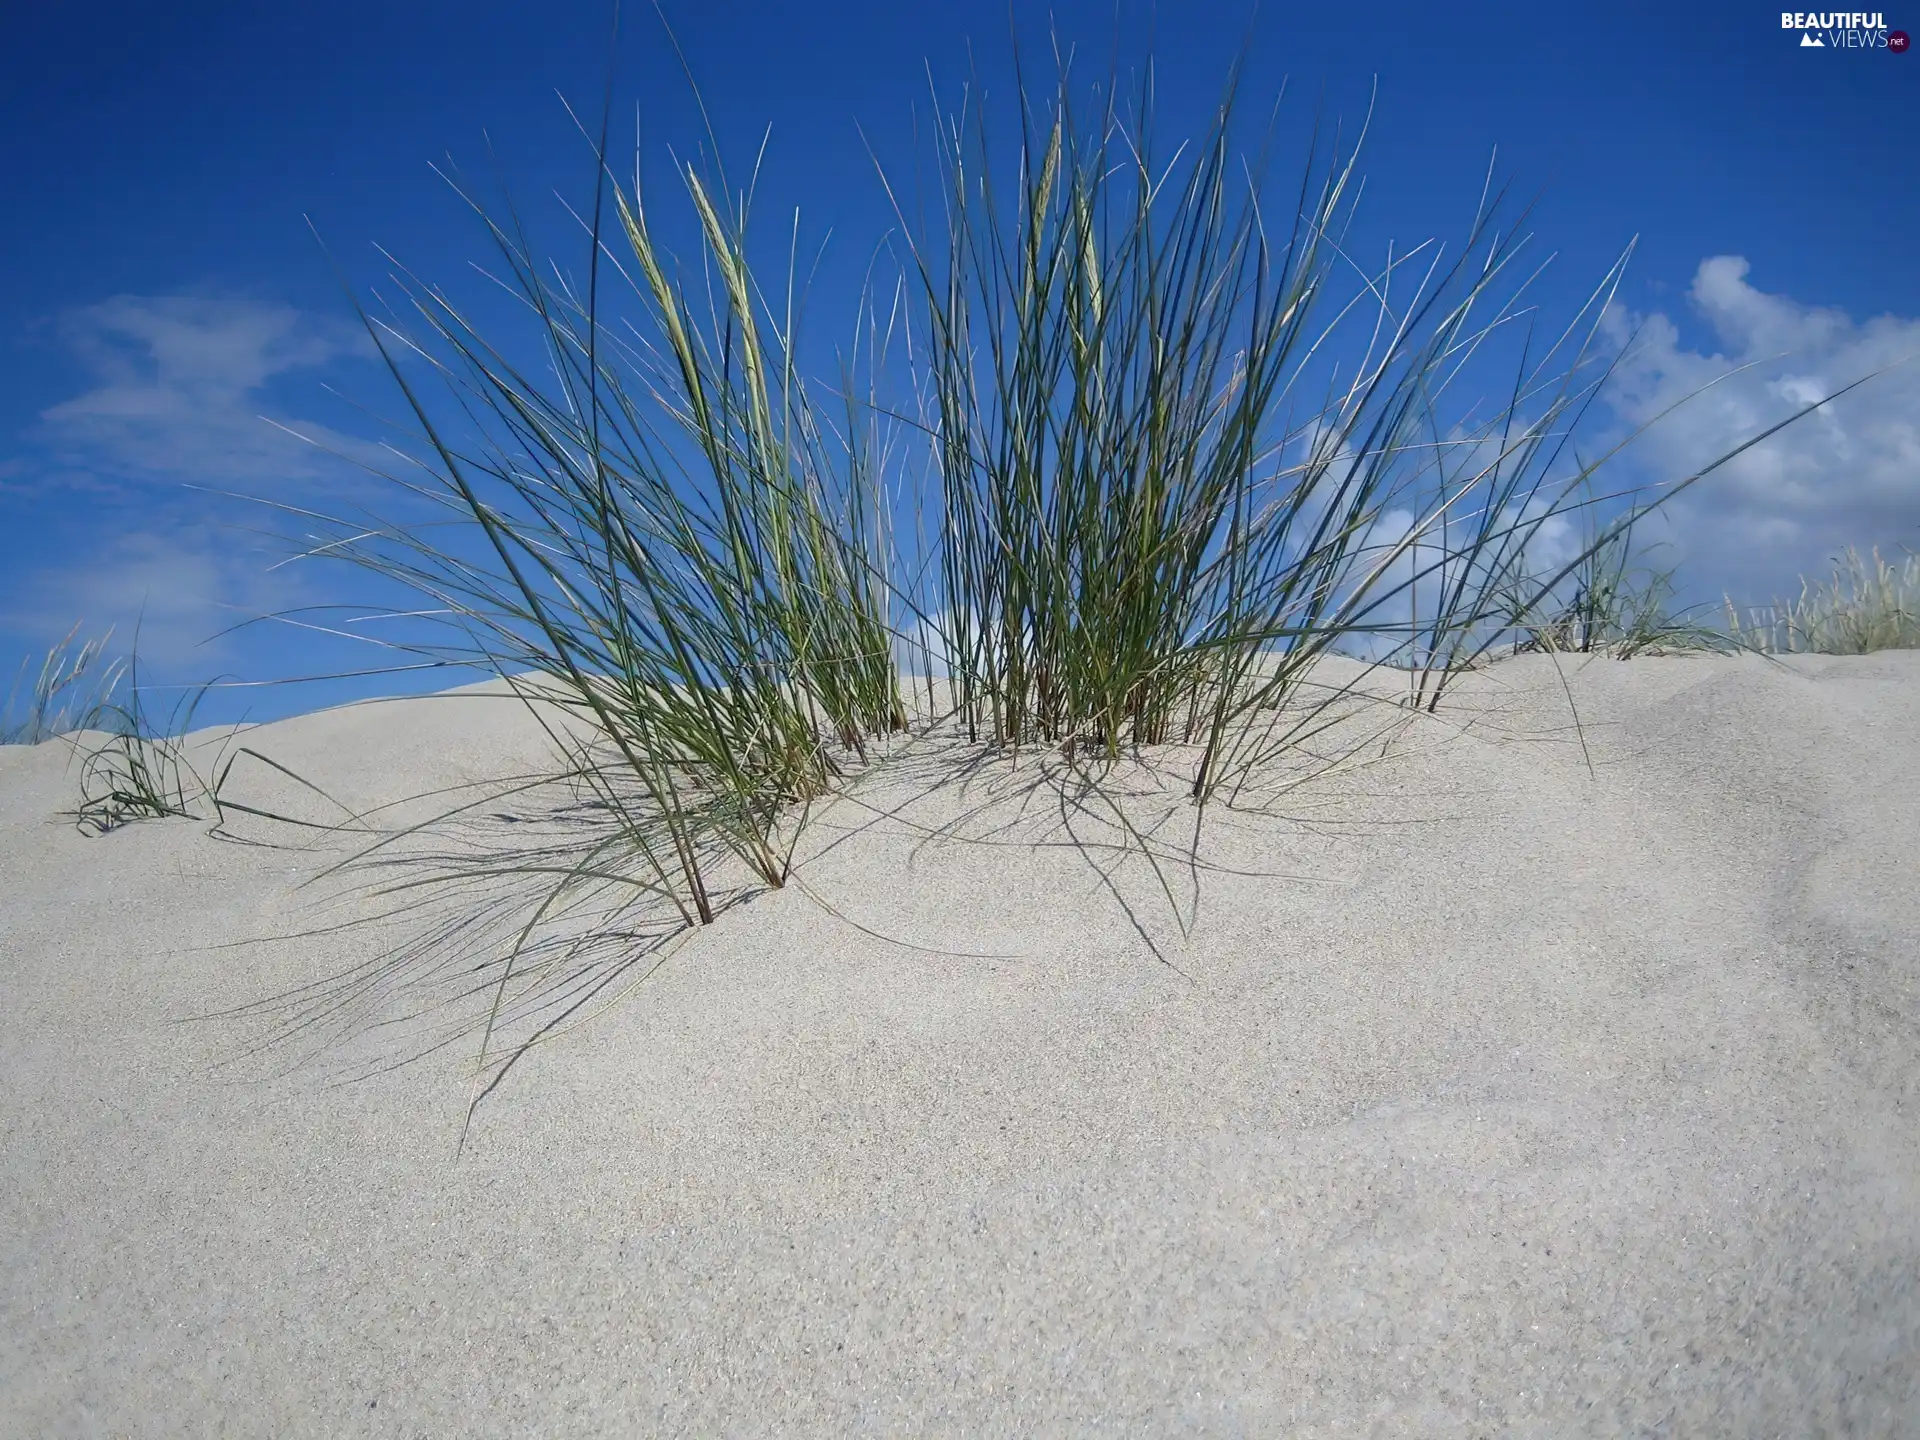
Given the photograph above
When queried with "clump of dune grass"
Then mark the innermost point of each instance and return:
(1615, 603)
(656, 537)
(65, 694)
(140, 766)
(1177, 449)
(133, 764)
(1186, 447)
(1867, 604)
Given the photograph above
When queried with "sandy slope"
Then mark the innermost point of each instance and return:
(1514, 1098)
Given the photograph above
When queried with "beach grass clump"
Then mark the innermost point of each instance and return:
(1614, 603)
(133, 764)
(1185, 447)
(1866, 604)
(652, 533)
(65, 694)
(136, 765)
(1167, 448)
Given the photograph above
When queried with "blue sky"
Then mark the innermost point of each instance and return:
(161, 292)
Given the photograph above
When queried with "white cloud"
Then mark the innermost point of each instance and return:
(1848, 474)
(180, 586)
(178, 392)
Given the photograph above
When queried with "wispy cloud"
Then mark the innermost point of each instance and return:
(1849, 474)
(180, 585)
(181, 391)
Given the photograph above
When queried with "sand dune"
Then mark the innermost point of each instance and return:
(1532, 1080)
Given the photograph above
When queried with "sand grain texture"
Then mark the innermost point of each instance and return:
(1534, 1100)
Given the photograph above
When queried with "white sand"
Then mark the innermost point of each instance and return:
(1543, 1102)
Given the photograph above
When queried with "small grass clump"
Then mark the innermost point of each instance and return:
(131, 768)
(1618, 606)
(133, 765)
(138, 767)
(66, 693)
(1867, 604)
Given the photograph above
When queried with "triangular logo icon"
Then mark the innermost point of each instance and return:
(1809, 42)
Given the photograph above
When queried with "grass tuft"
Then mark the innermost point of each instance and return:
(1864, 606)
(659, 542)
(1618, 606)
(141, 768)
(1186, 447)
(73, 682)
